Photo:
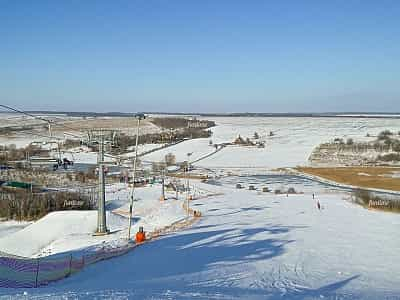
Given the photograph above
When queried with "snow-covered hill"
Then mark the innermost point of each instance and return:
(250, 245)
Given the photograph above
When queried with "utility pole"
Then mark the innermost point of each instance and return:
(49, 127)
(101, 202)
(187, 181)
(162, 198)
(139, 117)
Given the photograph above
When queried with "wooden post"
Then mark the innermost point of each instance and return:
(70, 265)
(37, 272)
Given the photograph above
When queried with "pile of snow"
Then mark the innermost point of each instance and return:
(62, 224)
(70, 230)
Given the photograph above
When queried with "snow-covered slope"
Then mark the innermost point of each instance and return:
(255, 246)
(32, 239)
(198, 148)
(70, 230)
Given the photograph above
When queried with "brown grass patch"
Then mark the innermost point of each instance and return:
(366, 177)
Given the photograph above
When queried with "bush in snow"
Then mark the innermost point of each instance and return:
(338, 141)
(384, 135)
(389, 157)
(396, 146)
(368, 199)
(157, 167)
(69, 143)
(170, 159)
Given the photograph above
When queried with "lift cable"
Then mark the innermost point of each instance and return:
(40, 118)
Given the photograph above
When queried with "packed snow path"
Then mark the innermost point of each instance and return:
(250, 245)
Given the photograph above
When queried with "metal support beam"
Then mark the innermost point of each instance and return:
(101, 202)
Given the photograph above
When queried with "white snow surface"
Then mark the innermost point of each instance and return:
(198, 148)
(55, 225)
(64, 231)
(11, 226)
(250, 245)
(82, 155)
(293, 141)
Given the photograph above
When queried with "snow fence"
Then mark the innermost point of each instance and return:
(18, 272)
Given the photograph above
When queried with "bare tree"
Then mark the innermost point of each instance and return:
(170, 159)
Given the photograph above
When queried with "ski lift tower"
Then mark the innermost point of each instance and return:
(100, 137)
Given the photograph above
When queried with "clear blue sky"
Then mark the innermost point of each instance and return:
(208, 56)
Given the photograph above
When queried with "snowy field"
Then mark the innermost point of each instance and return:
(292, 143)
(249, 245)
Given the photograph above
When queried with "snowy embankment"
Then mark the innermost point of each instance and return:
(32, 239)
(251, 245)
(71, 230)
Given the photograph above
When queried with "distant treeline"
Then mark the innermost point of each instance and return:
(245, 114)
(124, 141)
(11, 129)
(176, 123)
